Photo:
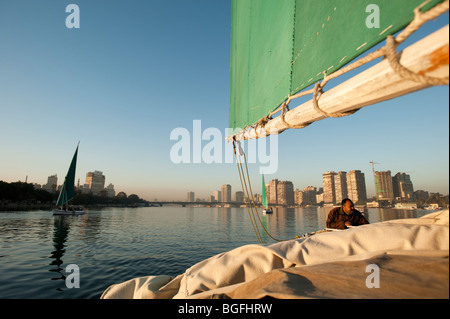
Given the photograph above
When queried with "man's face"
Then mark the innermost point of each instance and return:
(348, 207)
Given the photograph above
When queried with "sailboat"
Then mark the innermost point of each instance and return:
(278, 49)
(267, 209)
(284, 51)
(68, 191)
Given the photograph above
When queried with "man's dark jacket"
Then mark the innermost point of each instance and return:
(337, 218)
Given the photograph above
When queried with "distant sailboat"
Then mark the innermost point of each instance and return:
(267, 209)
(68, 191)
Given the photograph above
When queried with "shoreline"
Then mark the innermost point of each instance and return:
(30, 207)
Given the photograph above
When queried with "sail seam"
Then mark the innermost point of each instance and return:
(293, 47)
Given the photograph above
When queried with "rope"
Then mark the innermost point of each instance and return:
(262, 123)
(393, 58)
(315, 100)
(285, 106)
(256, 212)
(245, 190)
(249, 202)
(421, 18)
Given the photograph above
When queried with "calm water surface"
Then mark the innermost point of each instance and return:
(116, 244)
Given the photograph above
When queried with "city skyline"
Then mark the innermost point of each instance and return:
(94, 184)
(123, 81)
(207, 193)
(335, 187)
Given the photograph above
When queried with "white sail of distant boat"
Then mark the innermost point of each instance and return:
(68, 192)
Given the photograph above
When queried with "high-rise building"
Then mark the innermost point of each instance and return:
(217, 196)
(306, 197)
(85, 189)
(110, 192)
(298, 197)
(421, 195)
(239, 197)
(356, 186)
(340, 186)
(402, 186)
(257, 198)
(226, 193)
(383, 182)
(272, 193)
(309, 195)
(96, 182)
(280, 193)
(319, 198)
(52, 184)
(285, 193)
(190, 197)
(329, 195)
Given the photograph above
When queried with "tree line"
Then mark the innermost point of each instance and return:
(121, 199)
(19, 192)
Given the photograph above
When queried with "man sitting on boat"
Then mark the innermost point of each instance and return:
(344, 216)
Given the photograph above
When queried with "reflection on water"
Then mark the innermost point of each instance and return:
(60, 234)
(298, 221)
(117, 244)
(383, 214)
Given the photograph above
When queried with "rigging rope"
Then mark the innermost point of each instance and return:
(393, 58)
(249, 201)
(316, 96)
(245, 191)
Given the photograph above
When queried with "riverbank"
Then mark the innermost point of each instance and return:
(17, 207)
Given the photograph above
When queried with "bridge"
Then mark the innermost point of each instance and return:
(203, 203)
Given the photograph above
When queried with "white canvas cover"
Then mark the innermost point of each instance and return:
(411, 256)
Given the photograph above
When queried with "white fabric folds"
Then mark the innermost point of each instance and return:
(405, 258)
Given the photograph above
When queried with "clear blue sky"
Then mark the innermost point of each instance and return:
(136, 70)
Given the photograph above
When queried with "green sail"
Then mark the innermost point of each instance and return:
(264, 197)
(68, 188)
(279, 48)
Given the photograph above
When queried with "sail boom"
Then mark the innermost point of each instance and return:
(428, 56)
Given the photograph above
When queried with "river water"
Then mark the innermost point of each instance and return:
(113, 245)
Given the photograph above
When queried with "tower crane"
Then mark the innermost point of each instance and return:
(375, 179)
